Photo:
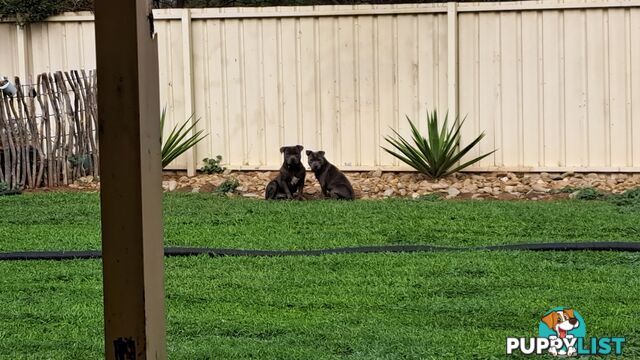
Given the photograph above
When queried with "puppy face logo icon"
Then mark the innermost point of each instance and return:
(562, 323)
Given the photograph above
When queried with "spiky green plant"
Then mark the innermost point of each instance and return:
(179, 140)
(438, 154)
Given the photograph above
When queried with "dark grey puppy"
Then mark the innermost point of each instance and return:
(290, 181)
(332, 181)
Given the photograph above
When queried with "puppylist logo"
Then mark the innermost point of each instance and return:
(563, 332)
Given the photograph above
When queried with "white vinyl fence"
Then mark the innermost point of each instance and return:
(554, 84)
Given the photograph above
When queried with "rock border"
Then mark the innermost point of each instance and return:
(413, 185)
(380, 185)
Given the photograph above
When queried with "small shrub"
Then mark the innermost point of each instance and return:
(438, 154)
(5, 190)
(82, 161)
(629, 198)
(228, 186)
(212, 166)
(589, 194)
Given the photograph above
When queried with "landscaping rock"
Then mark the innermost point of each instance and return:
(453, 192)
(439, 186)
(377, 184)
(539, 188)
(172, 185)
(310, 190)
(86, 179)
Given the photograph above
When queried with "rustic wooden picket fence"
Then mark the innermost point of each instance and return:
(48, 131)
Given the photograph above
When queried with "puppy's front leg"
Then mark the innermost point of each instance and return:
(285, 186)
(288, 192)
(300, 187)
(325, 194)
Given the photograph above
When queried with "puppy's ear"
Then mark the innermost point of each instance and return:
(299, 147)
(309, 152)
(321, 153)
(569, 312)
(550, 320)
(282, 149)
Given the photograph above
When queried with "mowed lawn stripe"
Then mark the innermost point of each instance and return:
(70, 221)
(365, 306)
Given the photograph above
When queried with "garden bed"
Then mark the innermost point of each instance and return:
(380, 185)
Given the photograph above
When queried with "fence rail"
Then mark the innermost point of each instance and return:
(554, 84)
(48, 131)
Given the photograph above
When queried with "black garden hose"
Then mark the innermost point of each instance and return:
(186, 251)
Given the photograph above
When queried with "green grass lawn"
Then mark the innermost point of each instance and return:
(71, 221)
(375, 306)
(451, 305)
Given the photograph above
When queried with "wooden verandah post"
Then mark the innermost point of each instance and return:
(130, 167)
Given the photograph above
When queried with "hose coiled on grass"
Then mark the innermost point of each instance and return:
(217, 252)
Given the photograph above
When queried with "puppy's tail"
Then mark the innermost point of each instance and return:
(271, 191)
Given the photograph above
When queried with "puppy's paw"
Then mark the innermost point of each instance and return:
(572, 351)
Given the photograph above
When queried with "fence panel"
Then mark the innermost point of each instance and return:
(555, 86)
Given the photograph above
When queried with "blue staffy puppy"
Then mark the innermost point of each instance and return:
(290, 181)
(333, 182)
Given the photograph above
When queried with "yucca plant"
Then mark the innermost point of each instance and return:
(179, 140)
(438, 154)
